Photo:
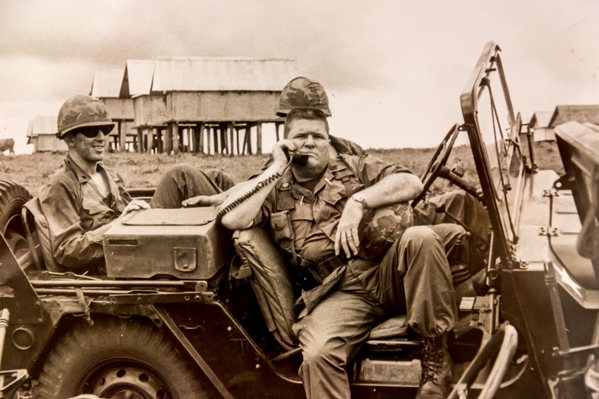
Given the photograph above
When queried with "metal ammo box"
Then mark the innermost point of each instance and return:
(184, 243)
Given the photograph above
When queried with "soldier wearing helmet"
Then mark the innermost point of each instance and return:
(303, 93)
(320, 214)
(83, 199)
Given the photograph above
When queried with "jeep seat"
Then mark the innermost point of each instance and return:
(38, 234)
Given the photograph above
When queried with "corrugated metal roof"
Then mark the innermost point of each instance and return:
(107, 83)
(138, 78)
(222, 74)
(43, 125)
(540, 119)
(578, 113)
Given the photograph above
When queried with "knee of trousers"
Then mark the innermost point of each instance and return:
(324, 351)
(180, 168)
(174, 172)
(416, 237)
(253, 240)
(244, 237)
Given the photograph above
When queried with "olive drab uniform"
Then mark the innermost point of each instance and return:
(72, 216)
(349, 297)
(303, 222)
(354, 296)
(271, 280)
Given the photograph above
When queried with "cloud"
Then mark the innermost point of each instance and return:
(397, 64)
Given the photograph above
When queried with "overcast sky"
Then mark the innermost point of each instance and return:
(393, 69)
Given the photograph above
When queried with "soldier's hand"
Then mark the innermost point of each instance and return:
(205, 200)
(134, 205)
(279, 151)
(347, 237)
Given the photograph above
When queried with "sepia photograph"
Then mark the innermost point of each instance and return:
(285, 200)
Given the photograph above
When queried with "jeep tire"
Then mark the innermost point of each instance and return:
(117, 358)
(12, 199)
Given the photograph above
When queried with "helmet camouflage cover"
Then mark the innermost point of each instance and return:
(381, 227)
(82, 111)
(303, 93)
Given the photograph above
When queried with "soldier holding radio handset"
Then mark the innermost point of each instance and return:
(315, 213)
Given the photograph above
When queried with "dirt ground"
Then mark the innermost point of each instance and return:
(143, 170)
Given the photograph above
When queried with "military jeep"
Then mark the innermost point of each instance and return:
(178, 316)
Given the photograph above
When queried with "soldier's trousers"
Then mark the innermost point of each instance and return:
(183, 181)
(413, 278)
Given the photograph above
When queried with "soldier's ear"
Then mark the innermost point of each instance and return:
(69, 139)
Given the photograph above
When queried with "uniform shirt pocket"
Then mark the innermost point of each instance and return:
(95, 214)
(281, 226)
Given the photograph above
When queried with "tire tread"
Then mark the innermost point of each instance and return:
(140, 339)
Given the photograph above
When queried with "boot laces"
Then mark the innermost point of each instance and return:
(432, 360)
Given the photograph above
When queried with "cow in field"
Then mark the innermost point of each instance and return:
(7, 144)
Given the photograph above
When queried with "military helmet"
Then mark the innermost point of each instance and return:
(381, 227)
(81, 111)
(303, 93)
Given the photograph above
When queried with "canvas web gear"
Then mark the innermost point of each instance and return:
(303, 93)
(82, 111)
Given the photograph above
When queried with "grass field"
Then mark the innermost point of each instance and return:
(142, 170)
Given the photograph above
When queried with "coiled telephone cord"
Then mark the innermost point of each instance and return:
(247, 195)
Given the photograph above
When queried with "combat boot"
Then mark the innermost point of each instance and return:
(436, 369)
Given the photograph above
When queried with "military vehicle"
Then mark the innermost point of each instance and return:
(178, 317)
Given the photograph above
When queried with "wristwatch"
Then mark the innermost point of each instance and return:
(359, 197)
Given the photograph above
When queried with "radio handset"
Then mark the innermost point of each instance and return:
(296, 158)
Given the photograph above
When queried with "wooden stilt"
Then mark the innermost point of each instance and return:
(176, 138)
(140, 140)
(122, 138)
(159, 144)
(246, 136)
(168, 139)
(216, 146)
(230, 130)
(150, 140)
(249, 144)
(200, 136)
(259, 139)
(237, 140)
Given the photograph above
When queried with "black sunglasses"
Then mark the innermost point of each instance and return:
(92, 132)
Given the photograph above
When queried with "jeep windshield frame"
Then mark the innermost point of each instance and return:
(494, 135)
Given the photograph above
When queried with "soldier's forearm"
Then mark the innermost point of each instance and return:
(244, 202)
(392, 189)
